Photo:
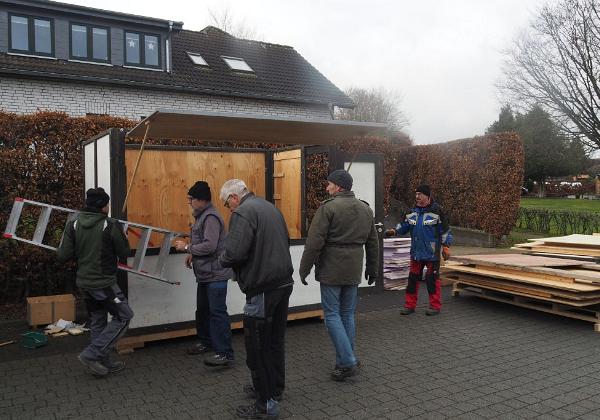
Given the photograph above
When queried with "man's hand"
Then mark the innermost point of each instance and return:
(369, 278)
(390, 233)
(188, 260)
(180, 245)
(445, 252)
(303, 280)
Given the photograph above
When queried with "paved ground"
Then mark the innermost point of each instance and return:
(478, 359)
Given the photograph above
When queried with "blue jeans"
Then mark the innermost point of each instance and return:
(212, 320)
(339, 305)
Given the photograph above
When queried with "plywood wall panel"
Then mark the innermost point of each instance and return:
(287, 189)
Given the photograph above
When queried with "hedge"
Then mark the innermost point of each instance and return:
(558, 222)
(477, 181)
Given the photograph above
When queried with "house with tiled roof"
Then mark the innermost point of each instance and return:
(81, 60)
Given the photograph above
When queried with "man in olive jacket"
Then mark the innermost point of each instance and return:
(341, 227)
(96, 242)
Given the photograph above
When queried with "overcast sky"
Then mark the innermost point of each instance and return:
(441, 57)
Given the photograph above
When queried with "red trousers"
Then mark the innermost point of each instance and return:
(432, 279)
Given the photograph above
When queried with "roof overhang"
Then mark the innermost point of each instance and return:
(234, 127)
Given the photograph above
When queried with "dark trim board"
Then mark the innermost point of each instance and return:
(136, 146)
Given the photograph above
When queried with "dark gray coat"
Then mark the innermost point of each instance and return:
(342, 227)
(258, 247)
(207, 243)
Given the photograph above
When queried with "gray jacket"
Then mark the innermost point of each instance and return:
(208, 238)
(258, 247)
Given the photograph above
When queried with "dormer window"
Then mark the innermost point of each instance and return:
(142, 49)
(89, 43)
(31, 35)
(237, 64)
(197, 59)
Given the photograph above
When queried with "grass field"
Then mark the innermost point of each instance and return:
(561, 204)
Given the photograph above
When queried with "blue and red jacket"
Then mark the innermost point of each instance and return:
(429, 230)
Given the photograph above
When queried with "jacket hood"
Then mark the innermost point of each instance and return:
(89, 219)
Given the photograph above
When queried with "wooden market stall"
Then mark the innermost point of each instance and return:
(148, 185)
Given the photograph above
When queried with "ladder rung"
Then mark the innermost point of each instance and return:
(165, 248)
(42, 224)
(13, 219)
(140, 252)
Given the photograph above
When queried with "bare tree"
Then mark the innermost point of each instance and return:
(556, 64)
(375, 105)
(225, 20)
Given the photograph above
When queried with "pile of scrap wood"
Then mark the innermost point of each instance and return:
(583, 247)
(396, 259)
(558, 285)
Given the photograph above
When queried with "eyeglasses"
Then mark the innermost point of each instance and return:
(226, 204)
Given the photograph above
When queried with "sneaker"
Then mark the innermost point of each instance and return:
(339, 374)
(113, 366)
(253, 394)
(219, 360)
(407, 311)
(94, 366)
(269, 411)
(198, 349)
(432, 312)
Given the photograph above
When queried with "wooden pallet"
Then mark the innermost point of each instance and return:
(129, 344)
(584, 314)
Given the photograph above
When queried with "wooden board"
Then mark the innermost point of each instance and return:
(287, 188)
(159, 194)
(576, 240)
(566, 250)
(523, 277)
(129, 344)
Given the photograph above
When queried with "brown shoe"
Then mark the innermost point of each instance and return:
(407, 311)
(432, 312)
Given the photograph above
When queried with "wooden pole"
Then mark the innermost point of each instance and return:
(137, 164)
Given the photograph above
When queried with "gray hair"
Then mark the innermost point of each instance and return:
(234, 186)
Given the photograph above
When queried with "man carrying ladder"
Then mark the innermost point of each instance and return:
(96, 242)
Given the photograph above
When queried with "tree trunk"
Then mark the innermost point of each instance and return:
(542, 189)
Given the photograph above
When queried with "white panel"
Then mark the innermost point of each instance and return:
(103, 156)
(89, 165)
(156, 303)
(363, 174)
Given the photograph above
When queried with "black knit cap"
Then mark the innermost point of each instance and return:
(424, 189)
(96, 198)
(341, 178)
(200, 191)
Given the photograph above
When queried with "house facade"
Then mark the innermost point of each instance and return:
(81, 60)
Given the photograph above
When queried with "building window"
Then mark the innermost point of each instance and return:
(31, 35)
(142, 49)
(90, 43)
(237, 64)
(197, 59)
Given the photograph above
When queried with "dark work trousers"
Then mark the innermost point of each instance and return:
(212, 320)
(104, 335)
(432, 279)
(265, 318)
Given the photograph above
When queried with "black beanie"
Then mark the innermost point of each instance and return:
(200, 191)
(424, 189)
(341, 178)
(96, 198)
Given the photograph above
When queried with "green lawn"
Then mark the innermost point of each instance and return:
(561, 204)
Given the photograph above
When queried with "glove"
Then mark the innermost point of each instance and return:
(370, 279)
(445, 252)
(188, 260)
(303, 280)
(390, 232)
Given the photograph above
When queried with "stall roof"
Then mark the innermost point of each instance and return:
(171, 124)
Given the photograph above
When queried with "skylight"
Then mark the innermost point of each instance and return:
(237, 64)
(197, 59)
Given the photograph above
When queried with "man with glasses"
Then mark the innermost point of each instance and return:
(207, 242)
(258, 250)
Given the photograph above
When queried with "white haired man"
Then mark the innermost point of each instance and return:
(257, 248)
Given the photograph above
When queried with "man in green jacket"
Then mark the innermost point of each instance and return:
(96, 242)
(342, 226)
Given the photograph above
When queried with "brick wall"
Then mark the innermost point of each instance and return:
(76, 99)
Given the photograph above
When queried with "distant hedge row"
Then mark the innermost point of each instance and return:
(477, 181)
(558, 222)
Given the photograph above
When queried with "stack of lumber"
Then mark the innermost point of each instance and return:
(558, 285)
(396, 260)
(583, 247)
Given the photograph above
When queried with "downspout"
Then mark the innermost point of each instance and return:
(168, 47)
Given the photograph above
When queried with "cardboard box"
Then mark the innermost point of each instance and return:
(43, 310)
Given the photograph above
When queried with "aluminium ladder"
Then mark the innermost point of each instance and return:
(140, 252)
